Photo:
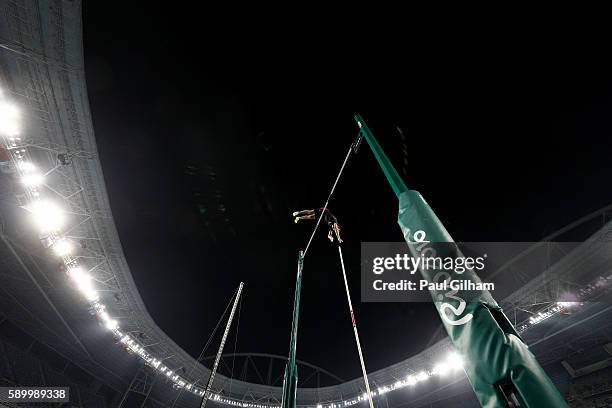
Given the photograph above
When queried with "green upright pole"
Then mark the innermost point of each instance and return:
(500, 367)
(291, 374)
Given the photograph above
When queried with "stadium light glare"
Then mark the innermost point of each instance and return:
(32, 180)
(78, 275)
(62, 247)
(26, 167)
(47, 216)
(83, 283)
(567, 299)
(111, 324)
(50, 219)
(9, 119)
(411, 380)
(455, 361)
(441, 369)
(90, 293)
(422, 376)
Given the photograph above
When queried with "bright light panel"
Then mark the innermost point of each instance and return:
(26, 167)
(32, 180)
(83, 283)
(62, 247)
(111, 324)
(9, 119)
(47, 216)
(441, 369)
(455, 361)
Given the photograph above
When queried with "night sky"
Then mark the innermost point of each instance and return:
(212, 130)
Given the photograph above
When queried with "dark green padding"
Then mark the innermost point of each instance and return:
(492, 351)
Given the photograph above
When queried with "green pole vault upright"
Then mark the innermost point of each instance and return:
(291, 375)
(500, 367)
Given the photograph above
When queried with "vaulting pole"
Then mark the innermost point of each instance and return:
(291, 375)
(353, 321)
(220, 352)
(502, 370)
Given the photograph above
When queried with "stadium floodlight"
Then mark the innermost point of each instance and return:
(411, 380)
(47, 216)
(111, 324)
(83, 283)
(32, 180)
(441, 369)
(9, 119)
(78, 275)
(422, 376)
(26, 167)
(455, 361)
(62, 247)
(567, 299)
(89, 292)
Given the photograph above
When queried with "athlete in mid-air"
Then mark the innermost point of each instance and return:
(330, 219)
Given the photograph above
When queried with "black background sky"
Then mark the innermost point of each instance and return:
(211, 131)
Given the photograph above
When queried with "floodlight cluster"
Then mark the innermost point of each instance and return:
(569, 301)
(10, 117)
(452, 364)
(50, 219)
